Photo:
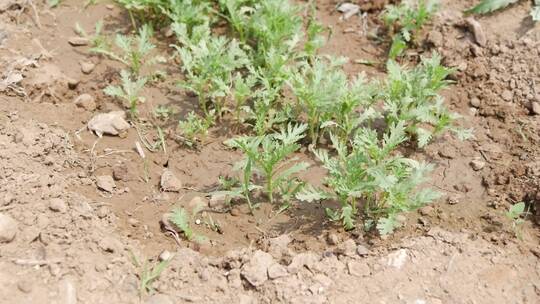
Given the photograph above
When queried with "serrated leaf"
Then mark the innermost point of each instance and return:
(516, 210)
(347, 216)
(387, 225)
(310, 194)
(424, 137)
(535, 12)
(488, 6)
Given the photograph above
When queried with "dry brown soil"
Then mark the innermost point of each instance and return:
(75, 243)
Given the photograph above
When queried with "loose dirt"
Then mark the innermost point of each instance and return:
(77, 211)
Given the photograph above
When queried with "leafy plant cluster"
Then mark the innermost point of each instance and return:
(266, 74)
(405, 20)
(134, 53)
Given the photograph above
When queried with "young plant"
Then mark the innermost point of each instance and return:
(411, 96)
(129, 91)
(269, 155)
(209, 65)
(242, 90)
(404, 20)
(316, 88)
(182, 219)
(97, 41)
(515, 214)
(134, 52)
(369, 172)
(147, 274)
(194, 129)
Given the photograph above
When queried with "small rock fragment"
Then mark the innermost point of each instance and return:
(87, 67)
(305, 259)
(332, 239)
(133, 222)
(256, 270)
(103, 211)
(347, 248)
(477, 164)
(426, 210)
(120, 173)
(105, 183)
(358, 268)
(86, 101)
(535, 108)
(362, 250)
(348, 10)
(169, 182)
(475, 102)
(452, 200)
(478, 32)
(112, 123)
(436, 38)
(78, 41)
(8, 228)
(507, 95)
(58, 205)
(277, 271)
(219, 201)
(25, 286)
(165, 255)
(72, 83)
(159, 299)
(397, 258)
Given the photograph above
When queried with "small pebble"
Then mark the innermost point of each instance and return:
(165, 255)
(78, 41)
(477, 164)
(535, 108)
(58, 205)
(24, 286)
(87, 67)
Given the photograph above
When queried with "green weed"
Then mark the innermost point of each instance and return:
(134, 52)
(404, 20)
(516, 214)
(269, 155)
(411, 96)
(371, 173)
(97, 40)
(129, 91)
(182, 220)
(194, 129)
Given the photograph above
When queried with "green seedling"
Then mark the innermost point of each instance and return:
(134, 52)
(54, 3)
(209, 65)
(182, 220)
(405, 20)
(242, 90)
(269, 155)
(163, 112)
(516, 214)
(194, 129)
(411, 96)
(97, 40)
(369, 172)
(163, 12)
(148, 274)
(129, 91)
(316, 88)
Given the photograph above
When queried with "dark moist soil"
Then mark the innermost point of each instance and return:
(75, 243)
